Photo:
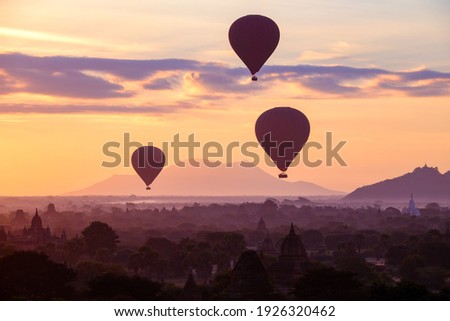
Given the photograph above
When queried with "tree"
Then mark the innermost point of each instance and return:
(148, 261)
(397, 253)
(162, 246)
(433, 277)
(403, 291)
(134, 262)
(384, 242)
(226, 246)
(99, 235)
(325, 283)
(32, 276)
(409, 266)
(74, 249)
(357, 265)
(6, 249)
(359, 241)
(436, 253)
(89, 270)
(121, 287)
(312, 238)
(196, 255)
(104, 255)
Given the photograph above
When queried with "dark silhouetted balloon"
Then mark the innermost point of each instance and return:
(148, 161)
(282, 132)
(254, 38)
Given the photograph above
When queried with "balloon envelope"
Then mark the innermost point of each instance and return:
(254, 39)
(282, 132)
(148, 161)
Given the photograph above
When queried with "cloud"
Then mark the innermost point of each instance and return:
(436, 88)
(340, 72)
(223, 81)
(67, 83)
(124, 68)
(40, 36)
(347, 82)
(423, 75)
(7, 84)
(329, 84)
(311, 55)
(339, 50)
(92, 109)
(98, 78)
(163, 83)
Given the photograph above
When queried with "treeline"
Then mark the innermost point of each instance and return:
(29, 275)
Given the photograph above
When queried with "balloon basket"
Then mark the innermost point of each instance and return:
(148, 188)
(282, 175)
(254, 78)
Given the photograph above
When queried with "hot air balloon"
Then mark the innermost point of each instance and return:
(148, 161)
(282, 132)
(254, 38)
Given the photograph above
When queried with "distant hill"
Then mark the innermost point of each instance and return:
(205, 181)
(426, 183)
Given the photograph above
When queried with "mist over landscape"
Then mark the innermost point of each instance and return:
(224, 151)
(201, 247)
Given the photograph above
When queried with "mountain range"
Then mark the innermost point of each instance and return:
(425, 183)
(206, 181)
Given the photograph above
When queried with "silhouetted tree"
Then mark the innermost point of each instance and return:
(269, 207)
(134, 262)
(196, 255)
(48, 249)
(436, 253)
(333, 241)
(162, 246)
(74, 249)
(395, 254)
(88, 270)
(325, 283)
(359, 241)
(121, 287)
(226, 246)
(384, 242)
(433, 277)
(99, 235)
(28, 275)
(219, 284)
(356, 265)
(6, 249)
(104, 255)
(410, 264)
(148, 261)
(312, 238)
(403, 291)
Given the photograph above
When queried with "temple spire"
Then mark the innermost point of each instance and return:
(292, 231)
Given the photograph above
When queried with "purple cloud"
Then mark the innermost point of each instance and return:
(328, 84)
(92, 109)
(128, 69)
(84, 77)
(222, 81)
(163, 83)
(434, 89)
(67, 83)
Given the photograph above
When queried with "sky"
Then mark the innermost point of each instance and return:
(77, 75)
